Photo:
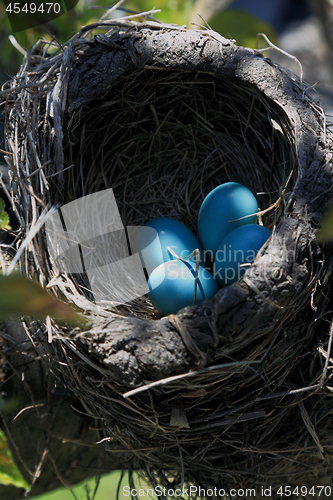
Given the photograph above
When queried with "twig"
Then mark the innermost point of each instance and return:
(275, 47)
(30, 236)
(197, 262)
(328, 354)
(187, 375)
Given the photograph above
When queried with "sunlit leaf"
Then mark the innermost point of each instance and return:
(4, 217)
(20, 296)
(172, 11)
(9, 473)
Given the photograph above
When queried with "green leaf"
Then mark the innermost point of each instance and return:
(20, 296)
(325, 232)
(9, 473)
(243, 27)
(4, 217)
(172, 11)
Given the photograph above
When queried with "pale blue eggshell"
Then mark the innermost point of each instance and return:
(220, 210)
(171, 286)
(155, 236)
(240, 246)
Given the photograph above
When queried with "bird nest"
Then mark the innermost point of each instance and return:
(229, 394)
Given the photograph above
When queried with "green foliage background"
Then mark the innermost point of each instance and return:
(107, 490)
(232, 23)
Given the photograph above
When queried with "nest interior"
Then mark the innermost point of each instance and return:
(232, 392)
(162, 140)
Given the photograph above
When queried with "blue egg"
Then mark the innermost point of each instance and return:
(238, 247)
(155, 236)
(222, 211)
(171, 286)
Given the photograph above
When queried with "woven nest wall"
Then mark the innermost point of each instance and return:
(236, 391)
